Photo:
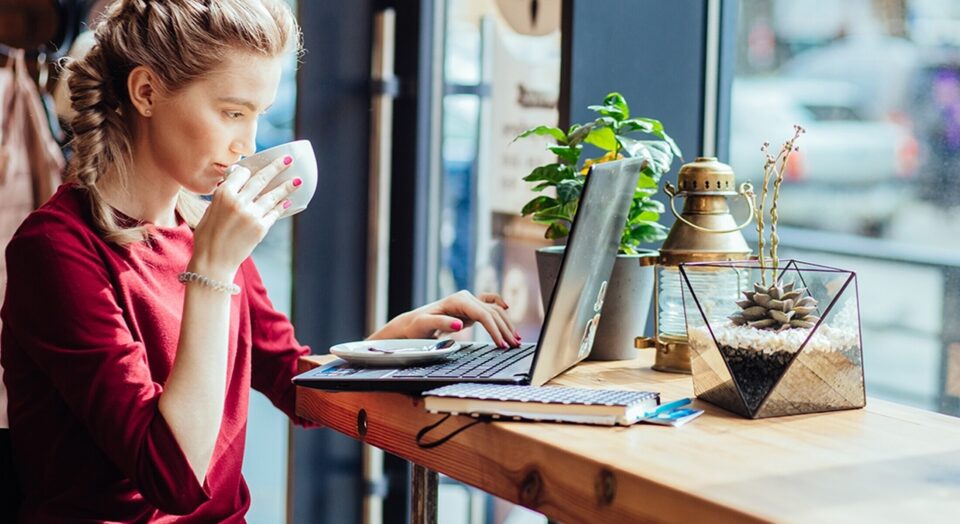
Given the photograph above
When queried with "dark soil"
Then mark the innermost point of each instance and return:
(755, 372)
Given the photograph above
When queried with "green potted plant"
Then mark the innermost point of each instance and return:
(617, 135)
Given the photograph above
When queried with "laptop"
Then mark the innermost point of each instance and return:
(571, 318)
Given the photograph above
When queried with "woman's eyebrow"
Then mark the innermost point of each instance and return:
(239, 101)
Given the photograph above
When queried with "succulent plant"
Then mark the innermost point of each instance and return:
(777, 307)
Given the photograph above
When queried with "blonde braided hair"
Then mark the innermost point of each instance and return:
(180, 41)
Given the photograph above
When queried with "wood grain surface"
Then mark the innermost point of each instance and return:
(885, 463)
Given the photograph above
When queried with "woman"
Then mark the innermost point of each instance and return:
(134, 321)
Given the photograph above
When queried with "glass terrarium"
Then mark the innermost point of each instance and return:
(773, 342)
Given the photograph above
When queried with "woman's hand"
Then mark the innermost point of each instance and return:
(238, 219)
(452, 314)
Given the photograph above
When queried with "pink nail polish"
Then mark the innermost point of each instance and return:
(517, 334)
(456, 325)
(287, 204)
(287, 160)
(297, 182)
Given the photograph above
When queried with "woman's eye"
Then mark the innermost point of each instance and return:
(233, 115)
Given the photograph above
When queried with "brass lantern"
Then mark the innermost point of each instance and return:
(704, 232)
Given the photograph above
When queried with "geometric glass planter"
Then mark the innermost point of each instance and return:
(760, 373)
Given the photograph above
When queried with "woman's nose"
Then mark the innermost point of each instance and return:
(246, 145)
(243, 147)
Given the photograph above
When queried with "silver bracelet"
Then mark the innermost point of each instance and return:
(216, 285)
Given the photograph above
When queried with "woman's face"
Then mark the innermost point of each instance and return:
(196, 132)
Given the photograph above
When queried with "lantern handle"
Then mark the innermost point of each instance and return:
(746, 191)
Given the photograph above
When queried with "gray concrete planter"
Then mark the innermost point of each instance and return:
(627, 303)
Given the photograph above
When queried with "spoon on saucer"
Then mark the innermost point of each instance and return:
(442, 344)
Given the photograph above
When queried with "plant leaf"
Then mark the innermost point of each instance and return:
(616, 100)
(648, 235)
(569, 155)
(554, 132)
(557, 230)
(646, 231)
(635, 149)
(639, 224)
(648, 182)
(569, 191)
(602, 137)
(578, 133)
(605, 121)
(550, 218)
(644, 192)
(644, 218)
(661, 154)
(654, 206)
(656, 127)
(539, 203)
(635, 124)
(614, 106)
(552, 173)
(657, 130)
(610, 111)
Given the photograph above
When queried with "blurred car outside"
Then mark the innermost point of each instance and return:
(850, 174)
(882, 68)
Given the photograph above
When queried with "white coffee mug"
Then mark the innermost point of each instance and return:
(304, 166)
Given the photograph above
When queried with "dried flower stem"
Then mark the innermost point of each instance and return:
(788, 148)
(774, 168)
(768, 165)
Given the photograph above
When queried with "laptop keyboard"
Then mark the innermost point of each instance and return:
(472, 361)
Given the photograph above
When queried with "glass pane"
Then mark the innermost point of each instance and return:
(265, 457)
(501, 76)
(877, 87)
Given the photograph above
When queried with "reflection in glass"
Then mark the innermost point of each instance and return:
(877, 86)
(265, 457)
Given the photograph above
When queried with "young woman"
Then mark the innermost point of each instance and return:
(135, 321)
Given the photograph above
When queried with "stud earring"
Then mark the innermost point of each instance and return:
(147, 112)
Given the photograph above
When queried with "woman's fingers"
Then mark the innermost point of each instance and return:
(426, 325)
(499, 306)
(506, 331)
(235, 177)
(493, 298)
(275, 213)
(487, 315)
(261, 178)
(277, 195)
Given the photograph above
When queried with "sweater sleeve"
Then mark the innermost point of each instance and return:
(62, 310)
(275, 349)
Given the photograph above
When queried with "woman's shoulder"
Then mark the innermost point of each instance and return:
(63, 219)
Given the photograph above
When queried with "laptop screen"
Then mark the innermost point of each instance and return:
(574, 310)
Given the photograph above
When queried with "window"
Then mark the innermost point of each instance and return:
(265, 457)
(489, 64)
(872, 188)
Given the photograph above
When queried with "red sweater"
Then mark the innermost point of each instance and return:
(89, 337)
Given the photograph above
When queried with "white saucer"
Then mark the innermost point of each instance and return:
(359, 353)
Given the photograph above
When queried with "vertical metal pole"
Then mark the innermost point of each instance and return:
(424, 507)
(434, 138)
(711, 80)
(378, 225)
(482, 215)
(381, 146)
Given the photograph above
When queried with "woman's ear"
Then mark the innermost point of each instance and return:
(143, 86)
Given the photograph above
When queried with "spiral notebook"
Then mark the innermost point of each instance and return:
(552, 403)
